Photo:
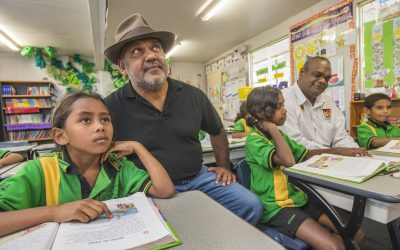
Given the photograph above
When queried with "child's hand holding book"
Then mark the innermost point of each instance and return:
(83, 210)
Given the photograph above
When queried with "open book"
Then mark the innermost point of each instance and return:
(392, 148)
(136, 224)
(354, 169)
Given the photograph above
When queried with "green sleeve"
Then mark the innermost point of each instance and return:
(396, 132)
(23, 190)
(365, 136)
(134, 179)
(202, 135)
(298, 150)
(259, 151)
(4, 153)
(239, 127)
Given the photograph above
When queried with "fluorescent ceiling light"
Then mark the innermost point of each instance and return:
(203, 7)
(218, 6)
(173, 50)
(4, 38)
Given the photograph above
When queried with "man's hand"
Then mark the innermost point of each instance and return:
(83, 210)
(225, 176)
(352, 151)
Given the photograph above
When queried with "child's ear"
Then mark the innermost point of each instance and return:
(122, 67)
(60, 136)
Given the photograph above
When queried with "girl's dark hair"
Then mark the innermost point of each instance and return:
(63, 108)
(370, 100)
(262, 103)
(242, 112)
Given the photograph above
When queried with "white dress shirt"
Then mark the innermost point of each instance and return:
(321, 125)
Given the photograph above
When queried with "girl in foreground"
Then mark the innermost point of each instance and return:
(69, 185)
(268, 152)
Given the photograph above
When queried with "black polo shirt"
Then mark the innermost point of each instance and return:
(171, 135)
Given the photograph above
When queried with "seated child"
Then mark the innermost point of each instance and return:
(377, 131)
(70, 184)
(269, 150)
(241, 129)
(6, 158)
(202, 135)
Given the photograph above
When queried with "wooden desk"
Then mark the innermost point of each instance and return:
(377, 194)
(202, 223)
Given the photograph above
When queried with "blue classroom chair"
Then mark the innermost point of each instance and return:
(243, 175)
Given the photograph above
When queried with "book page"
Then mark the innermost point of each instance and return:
(36, 238)
(342, 167)
(134, 223)
(392, 146)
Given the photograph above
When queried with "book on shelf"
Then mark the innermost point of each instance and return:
(354, 169)
(392, 148)
(8, 90)
(136, 224)
(26, 103)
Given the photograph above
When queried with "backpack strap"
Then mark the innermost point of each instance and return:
(51, 179)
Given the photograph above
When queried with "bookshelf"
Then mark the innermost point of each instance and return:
(25, 110)
(357, 108)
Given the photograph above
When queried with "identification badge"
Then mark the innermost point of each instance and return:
(327, 114)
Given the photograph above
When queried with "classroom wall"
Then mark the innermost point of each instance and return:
(192, 73)
(282, 29)
(13, 66)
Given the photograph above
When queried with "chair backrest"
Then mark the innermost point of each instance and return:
(243, 173)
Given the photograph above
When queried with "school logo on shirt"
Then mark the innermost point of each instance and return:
(327, 114)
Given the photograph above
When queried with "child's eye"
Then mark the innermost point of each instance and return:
(106, 119)
(85, 120)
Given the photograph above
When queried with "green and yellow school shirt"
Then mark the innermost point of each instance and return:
(268, 182)
(36, 184)
(369, 130)
(202, 135)
(4, 153)
(241, 126)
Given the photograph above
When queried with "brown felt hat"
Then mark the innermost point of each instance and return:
(132, 28)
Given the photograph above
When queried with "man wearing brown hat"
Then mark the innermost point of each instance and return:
(166, 115)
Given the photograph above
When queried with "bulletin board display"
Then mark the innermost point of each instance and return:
(331, 34)
(382, 53)
(214, 81)
(224, 78)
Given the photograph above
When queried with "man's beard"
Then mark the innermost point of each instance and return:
(148, 84)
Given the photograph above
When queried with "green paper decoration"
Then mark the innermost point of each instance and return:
(67, 75)
(39, 61)
(117, 77)
(28, 51)
(50, 51)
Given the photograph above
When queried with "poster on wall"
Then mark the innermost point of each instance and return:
(330, 34)
(317, 36)
(382, 54)
(214, 93)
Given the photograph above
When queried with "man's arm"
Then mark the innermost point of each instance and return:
(220, 146)
(222, 169)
